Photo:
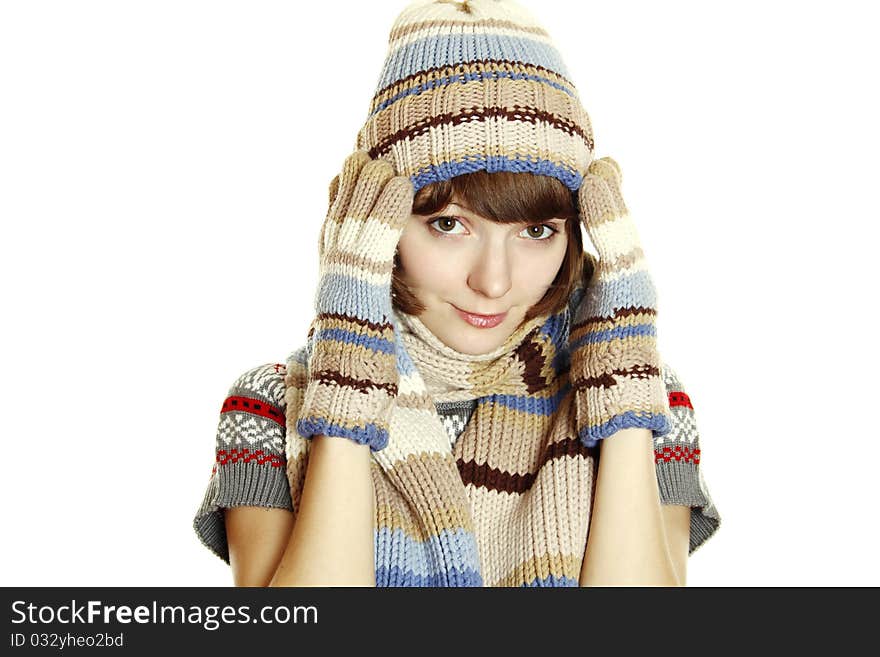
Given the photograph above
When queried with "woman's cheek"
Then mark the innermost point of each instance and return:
(542, 268)
(426, 265)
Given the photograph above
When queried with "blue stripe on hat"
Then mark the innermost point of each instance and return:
(518, 164)
(451, 49)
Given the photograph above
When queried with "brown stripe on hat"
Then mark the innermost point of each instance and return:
(469, 116)
(476, 67)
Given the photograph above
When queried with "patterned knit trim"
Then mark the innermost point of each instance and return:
(253, 406)
(679, 454)
(245, 455)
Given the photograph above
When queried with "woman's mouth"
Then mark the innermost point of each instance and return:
(480, 321)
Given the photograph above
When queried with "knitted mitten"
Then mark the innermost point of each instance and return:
(615, 366)
(352, 342)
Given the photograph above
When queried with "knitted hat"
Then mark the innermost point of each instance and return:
(476, 85)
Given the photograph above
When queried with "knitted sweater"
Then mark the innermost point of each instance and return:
(250, 463)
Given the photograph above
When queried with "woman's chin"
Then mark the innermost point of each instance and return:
(458, 334)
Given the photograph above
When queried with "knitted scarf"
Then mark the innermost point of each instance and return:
(510, 503)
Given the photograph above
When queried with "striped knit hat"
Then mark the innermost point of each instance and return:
(477, 85)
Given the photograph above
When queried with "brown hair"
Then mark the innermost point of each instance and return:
(508, 197)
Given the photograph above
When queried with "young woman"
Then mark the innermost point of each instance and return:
(479, 402)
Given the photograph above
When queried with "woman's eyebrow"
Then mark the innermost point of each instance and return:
(542, 221)
(463, 207)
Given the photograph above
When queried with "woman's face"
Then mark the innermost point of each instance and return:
(457, 259)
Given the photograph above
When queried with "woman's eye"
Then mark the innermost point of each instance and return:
(534, 233)
(540, 236)
(443, 223)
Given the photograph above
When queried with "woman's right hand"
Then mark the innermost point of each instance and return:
(352, 342)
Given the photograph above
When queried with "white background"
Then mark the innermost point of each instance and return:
(163, 178)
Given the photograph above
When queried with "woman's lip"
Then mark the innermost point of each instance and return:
(480, 321)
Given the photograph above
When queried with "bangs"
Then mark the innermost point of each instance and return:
(503, 197)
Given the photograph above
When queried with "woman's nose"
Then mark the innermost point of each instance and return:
(490, 274)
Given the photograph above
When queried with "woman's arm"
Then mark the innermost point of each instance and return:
(677, 521)
(332, 541)
(256, 537)
(626, 544)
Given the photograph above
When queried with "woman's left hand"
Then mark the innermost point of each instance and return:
(615, 366)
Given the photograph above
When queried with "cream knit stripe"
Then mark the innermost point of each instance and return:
(623, 258)
(428, 11)
(509, 375)
(342, 187)
(462, 29)
(348, 408)
(378, 232)
(352, 265)
(534, 528)
(639, 396)
(397, 33)
(611, 228)
(415, 421)
(421, 434)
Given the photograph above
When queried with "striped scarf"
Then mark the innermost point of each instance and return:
(510, 503)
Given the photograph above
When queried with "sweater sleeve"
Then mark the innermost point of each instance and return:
(677, 459)
(249, 465)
